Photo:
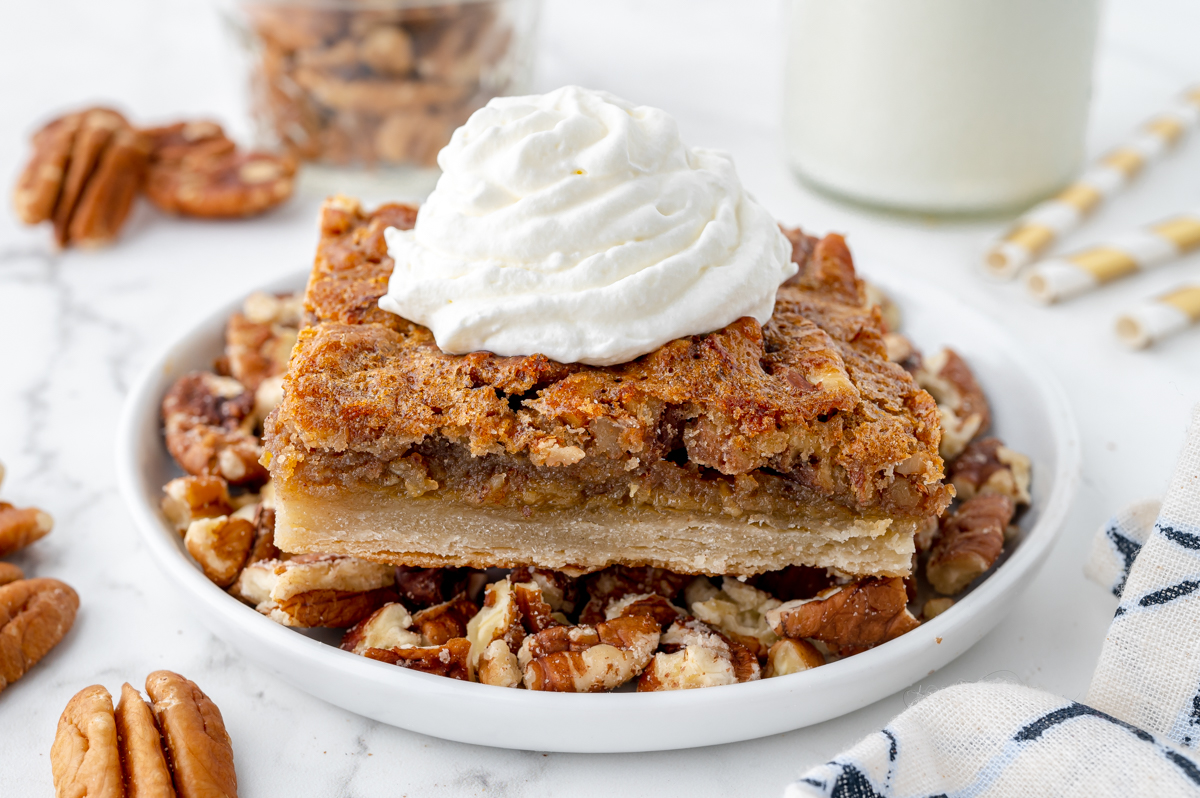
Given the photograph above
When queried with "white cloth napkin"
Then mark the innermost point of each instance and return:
(1139, 729)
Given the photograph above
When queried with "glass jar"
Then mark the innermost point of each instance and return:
(371, 84)
(943, 106)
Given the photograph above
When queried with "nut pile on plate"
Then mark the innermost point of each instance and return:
(547, 630)
(374, 85)
(87, 167)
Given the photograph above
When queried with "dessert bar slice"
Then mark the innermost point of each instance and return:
(744, 450)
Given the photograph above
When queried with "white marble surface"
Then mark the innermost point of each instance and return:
(76, 327)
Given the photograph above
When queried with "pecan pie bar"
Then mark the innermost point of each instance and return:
(736, 452)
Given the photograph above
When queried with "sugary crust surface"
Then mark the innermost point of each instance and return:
(811, 396)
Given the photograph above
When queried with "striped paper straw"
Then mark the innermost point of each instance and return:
(1034, 232)
(1057, 279)
(1160, 318)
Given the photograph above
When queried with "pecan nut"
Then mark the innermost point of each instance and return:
(221, 545)
(737, 610)
(449, 659)
(190, 498)
(316, 590)
(498, 619)
(10, 573)
(588, 659)
(227, 185)
(850, 618)
(697, 655)
(258, 348)
(613, 583)
(35, 614)
(988, 466)
(651, 604)
(792, 656)
(84, 757)
(208, 422)
(559, 590)
(199, 751)
(388, 627)
(141, 748)
(445, 621)
(20, 527)
(972, 539)
(962, 405)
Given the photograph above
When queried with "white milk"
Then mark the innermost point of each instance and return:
(946, 106)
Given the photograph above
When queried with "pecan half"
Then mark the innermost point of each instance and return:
(199, 751)
(170, 144)
(850, 618)
(110, 190)
(41, 181)
(227, 185)
(188, 499)
(697, 655)
(141, 749)
(962, 405)
(316, 590)
(20, 527)
(988, 466)
(445, 621)
(208, 421)
(588, 659)
(972, 539)
(35, 614)
(84, 757)
(95, 131)
(388, 627)
(449, 659)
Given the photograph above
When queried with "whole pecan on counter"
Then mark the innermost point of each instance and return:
(35, 615)
(176, 745)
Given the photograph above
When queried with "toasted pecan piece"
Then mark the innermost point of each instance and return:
(988, 466)
(449, 659)
(264, 547)
(21, 526)
(498, 619)
(199, 751)
(535, 611)
(697, 655)
(737, 610)
(35, 614)
(230, 185)
(792, 656)
(613, 583)
(141, 748)
(84, 758)
(316, 590)
(445, 621)
(850, 618)
(971, 540)
(187, 499)
(208, 421)
(41, 181)
(961, 403)
(588, 659)
(10, 573)
(793, 582)
(498, 666)
(424, 587)
(220, 545)
(388, 627)
(559, 590)
(657, 607)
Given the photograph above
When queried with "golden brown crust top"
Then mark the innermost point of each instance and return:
(810, 395)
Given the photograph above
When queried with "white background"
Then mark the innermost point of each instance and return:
(75, 328)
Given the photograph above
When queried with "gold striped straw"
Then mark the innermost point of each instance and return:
(1160, 318)
(1033, 233)
(1057, 279)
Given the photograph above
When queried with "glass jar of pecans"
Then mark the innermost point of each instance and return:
(380, 83)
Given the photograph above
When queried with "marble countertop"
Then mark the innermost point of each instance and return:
(76, 327)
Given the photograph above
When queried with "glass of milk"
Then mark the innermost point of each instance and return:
(939, 106)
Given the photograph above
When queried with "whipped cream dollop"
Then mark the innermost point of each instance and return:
(579, 226)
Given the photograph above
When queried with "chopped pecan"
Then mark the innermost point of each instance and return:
(141, 747)
(84, 758)
(10, 573)
(588, 659)
(961, 402)
(35, 614)
(535, 611)
(20, 527)
(198, 748)
(651, 604)
(445, 621)
(449, 659)
(189, 498)
(988, 466)
(264, 547)
(208, 421)
(697, 655)
(792, 656)
(901, 351)
(226, 185)
(559, 590)
(498, 666)
(498, 619)
(793, 582)
(617, 581)
(737, 610)
(257, 349)
(971, 540)
(850, 618)
(424, 587)
(220, 546)
(316, 589)
(388, 627)
(935, 607)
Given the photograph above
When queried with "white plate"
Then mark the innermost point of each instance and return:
(1030, 414)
